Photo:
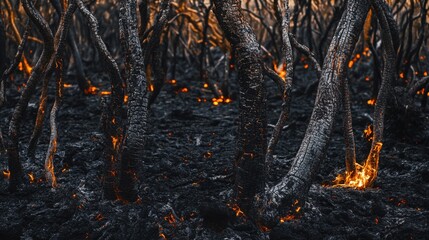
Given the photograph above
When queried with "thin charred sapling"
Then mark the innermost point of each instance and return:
(82, 82)
(294, 187)
(283, 16)
(15, 62)
(59, 42)
(11, 13)
(2, 63)
(251, 146)
(38, 72)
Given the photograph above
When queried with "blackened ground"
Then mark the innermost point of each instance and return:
(186, 173)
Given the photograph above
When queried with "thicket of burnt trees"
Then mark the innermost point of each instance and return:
(125, 140)
(281, 199)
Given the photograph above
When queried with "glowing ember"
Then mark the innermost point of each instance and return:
(208, 154)
(287, 218)
(401, 202)
(31, 177)
(264, 228)
(221, 99)
(351, 63)
(151, 87)
(402, 75)
(206, 85)
(371, 102)
(364, 175)
(67, 85)
(173, 81)
(306, 66)
(6, 174)
(280, 70)
(125, 99)
(422, 92)
(91, 90)
(368, 133)
(104, 93)
(162, 235)
(170, 218)
(237, 210)
(114, 141)
(99, 217)
(184, 90)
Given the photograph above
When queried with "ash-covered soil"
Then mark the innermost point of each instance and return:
(186, 173)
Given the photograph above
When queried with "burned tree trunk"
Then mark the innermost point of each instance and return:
(134, 139)
(114, 123)
(295, 185)
(18, 114)
(251, 147)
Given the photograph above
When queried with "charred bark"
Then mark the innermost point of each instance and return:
(117, 97)
(294, 187)
(283, 16)
(251, 147)
(134, 139)
(59, 42)
(18, 114)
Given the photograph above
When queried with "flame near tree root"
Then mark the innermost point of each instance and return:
(364, 175)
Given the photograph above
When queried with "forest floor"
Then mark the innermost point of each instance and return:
(186, 173)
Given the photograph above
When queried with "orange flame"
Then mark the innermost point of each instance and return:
(371, 102)
(368, 133)
(237, 210)
(104, 93)
(280, 70)
(364, 175)
(91, 90)
(151, 88)
(67, 85)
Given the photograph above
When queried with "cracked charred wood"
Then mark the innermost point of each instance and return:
(134, 140)
(144, 16)
(2, 71)
(59, 42)
(16, 60)
(57, 59)
(2, 62)
(283, 16)
(38, 72)
(251, 146)
(82, 82)
(153, 52)
(204, 72)
(349, 138)
(117, 96)
(16, 34)
(159, 73)
(281, 198)
(389, 73)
